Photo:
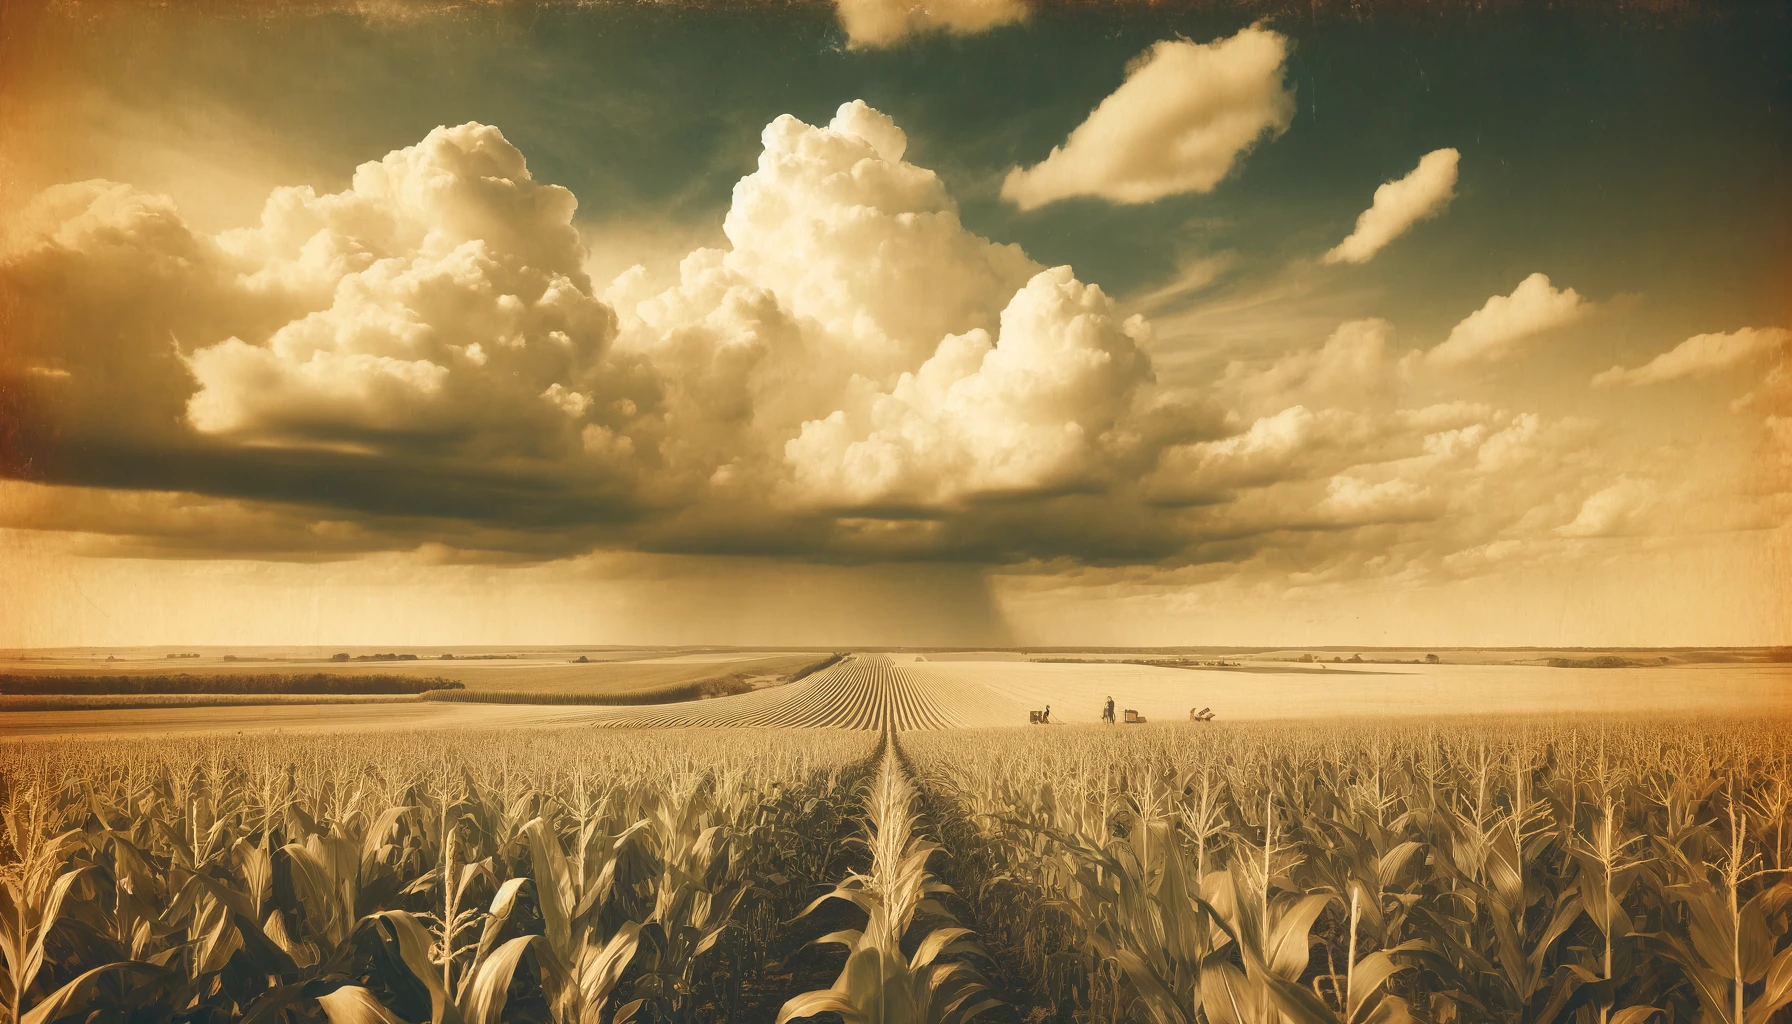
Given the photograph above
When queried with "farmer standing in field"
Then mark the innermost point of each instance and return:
(1107, 711)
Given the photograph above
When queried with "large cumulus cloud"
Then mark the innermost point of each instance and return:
(420, 361)
(847, 270)
(1037, 407)
(421, 342)
(453, 312)
(846, 232)
(425, 344)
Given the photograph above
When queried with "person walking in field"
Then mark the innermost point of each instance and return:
(1046, 719)
(1107, 711)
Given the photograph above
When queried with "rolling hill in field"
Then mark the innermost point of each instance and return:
(865, 691)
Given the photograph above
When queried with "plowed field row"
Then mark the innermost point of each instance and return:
(866, 691)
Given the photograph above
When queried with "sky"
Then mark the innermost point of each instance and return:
(974, 322)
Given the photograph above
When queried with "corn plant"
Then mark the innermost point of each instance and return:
(880, 984)
(1728, 951)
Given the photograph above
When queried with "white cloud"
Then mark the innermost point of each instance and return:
(455, 302)
(1354, 501)
(1185, 114)
(1334, 449)
(846, 263)
(1353, 367)
(871, 24)
(850, 235)
(1700, 356)
(1505, 322)
(845, 231)
(1271, 451)
(570, 402)
(438, 309)
(421, 359)
(1612, 509)
(1517, 444)
(409, 305)
(1028, 410)
(1398, 205)
(1380, 461)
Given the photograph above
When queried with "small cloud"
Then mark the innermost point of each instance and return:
(1265, 454)
(1185, 114)
(1352, 501)
(1496, 329)
(871, 24)
(1699, 356)
(1353, 364)
(568, 401)
(1399, 205)
(1610, 511)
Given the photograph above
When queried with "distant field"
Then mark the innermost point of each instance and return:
(626, 677)
(14, 703)
(209, 655)
(999, 693)
(288, 717)
(867, 691)
(550, 676)
(663, 685)
(1568, 656)
(274, 684)
(719, 657)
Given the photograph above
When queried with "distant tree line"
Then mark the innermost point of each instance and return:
(316, 682)
(1602, 661)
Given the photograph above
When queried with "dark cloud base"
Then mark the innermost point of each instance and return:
(480, 513)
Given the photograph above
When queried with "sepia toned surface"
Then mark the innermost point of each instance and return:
(988, 511)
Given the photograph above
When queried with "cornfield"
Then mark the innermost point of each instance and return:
(1531, 871)
(474, 878)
